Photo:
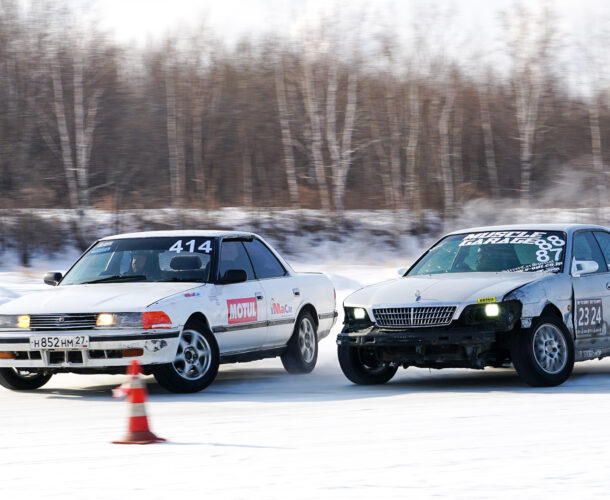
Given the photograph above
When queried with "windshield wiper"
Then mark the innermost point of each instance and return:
(117, 277)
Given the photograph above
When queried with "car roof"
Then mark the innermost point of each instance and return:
(530, 227)
(185, 233)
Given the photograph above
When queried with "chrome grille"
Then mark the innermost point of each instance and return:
(398, 317)
(62, 321)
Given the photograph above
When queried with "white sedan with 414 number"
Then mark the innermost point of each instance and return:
(180, 302)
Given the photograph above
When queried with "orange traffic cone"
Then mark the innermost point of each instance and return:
(137, 428)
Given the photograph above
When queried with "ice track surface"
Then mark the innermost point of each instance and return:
(258, 432)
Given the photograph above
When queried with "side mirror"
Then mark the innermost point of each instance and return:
(580, 267)
(402, 271)
(52, 278)
(234, 276)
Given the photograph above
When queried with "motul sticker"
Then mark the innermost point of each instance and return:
(242, 310)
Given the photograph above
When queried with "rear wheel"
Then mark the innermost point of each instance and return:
(23, 380)
(196, 363)
(543, 355)
(301, 353)
(363, 367)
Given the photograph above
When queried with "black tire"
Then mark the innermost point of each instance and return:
(196, 363)
(362, 366)
(23, 380)
(543, 355)
(301, 354)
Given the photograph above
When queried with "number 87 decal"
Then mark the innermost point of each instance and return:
(548, 245)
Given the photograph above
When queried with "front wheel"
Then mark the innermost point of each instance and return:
(196, 363)
(301, 353)
(23, 380)
(363, 367)
(543, 355)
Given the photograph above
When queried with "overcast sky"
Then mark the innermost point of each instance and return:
(140, 20)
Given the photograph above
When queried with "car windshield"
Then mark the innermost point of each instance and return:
(496, 251)
(144, 259)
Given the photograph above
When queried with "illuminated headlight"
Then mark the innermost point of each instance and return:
(492, 310)
(359, 313)
(14, 321)
(119, 320)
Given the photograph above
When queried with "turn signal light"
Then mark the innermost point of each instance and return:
(132, 353)
(155, 319)
(7, 355)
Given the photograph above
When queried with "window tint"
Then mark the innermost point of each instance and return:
(586, 248)
(233, 256)
(265, 263)
(604, 242)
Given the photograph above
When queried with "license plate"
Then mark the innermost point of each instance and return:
(59, 342)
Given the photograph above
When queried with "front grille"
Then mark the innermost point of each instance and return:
(62, 321)
(399, 317)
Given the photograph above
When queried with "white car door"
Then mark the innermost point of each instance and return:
(591, 298)
(243, 306)
(281, 291)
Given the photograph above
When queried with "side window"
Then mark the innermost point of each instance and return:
(233, 256)
(604, 242)
(586, 248)
(265, 263)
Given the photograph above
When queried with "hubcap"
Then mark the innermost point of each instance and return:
(307, 340)
(550, 349)
(194, 355)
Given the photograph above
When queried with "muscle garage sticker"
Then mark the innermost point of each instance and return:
(242, 310)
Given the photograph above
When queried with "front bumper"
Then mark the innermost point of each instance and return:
(103, 351)
(455, 347)
(392, 338)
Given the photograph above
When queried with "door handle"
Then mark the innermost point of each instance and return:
(258, 295)
(607, 286)
(296, 291)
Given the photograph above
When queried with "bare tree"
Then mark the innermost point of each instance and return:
(531, 40)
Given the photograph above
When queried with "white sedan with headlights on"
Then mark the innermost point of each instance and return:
(180, 302)
(537, 296)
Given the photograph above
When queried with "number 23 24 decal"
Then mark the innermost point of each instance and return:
(589, 316)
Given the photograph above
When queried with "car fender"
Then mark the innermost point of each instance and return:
(555, 289)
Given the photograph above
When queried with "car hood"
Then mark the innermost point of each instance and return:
(100, 297)
(450, 288)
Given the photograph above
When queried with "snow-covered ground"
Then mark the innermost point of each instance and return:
(258, 432)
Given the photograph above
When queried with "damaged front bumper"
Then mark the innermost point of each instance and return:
(428, 347)
(105, 349)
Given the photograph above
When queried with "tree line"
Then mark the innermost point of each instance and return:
(330, 119)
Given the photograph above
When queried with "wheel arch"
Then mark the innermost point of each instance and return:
(308, 307)
(551, 309)
(198, 316)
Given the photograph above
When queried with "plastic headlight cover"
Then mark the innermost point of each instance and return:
(119, 320)
(357, 314)
(14, 321)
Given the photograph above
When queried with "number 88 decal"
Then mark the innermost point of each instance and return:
(549, 245)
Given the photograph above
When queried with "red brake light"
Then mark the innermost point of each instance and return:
(155, 319)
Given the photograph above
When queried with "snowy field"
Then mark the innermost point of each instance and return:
(258, 432)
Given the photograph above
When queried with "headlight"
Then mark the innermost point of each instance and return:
(14, 321)
(356, 315)
(119, 320)
(502, 314)
(492, 310)
(359, 313)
